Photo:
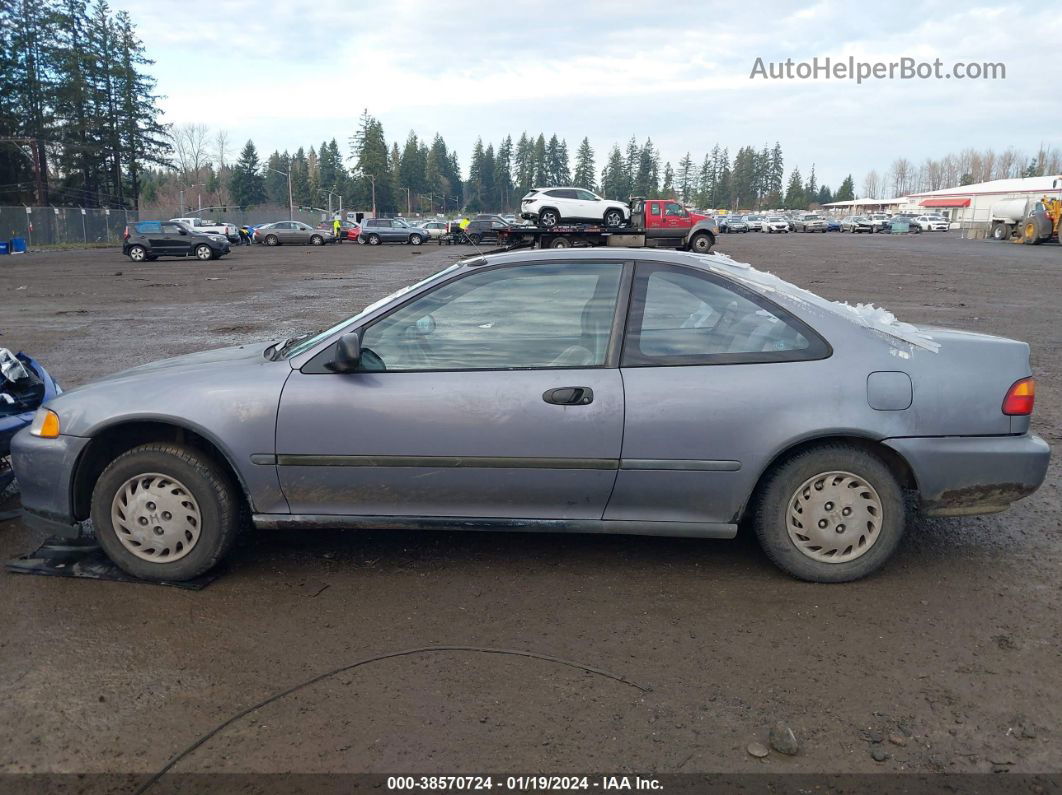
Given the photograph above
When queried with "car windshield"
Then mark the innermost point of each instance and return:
(293, 346)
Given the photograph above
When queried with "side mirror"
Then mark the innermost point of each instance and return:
(348, 354)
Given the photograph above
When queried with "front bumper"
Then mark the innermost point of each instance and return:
(964, 475)
(44, 469)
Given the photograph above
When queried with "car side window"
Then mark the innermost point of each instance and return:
(674, 208)
(171, 229)
(654, 208)
(682, 316)
(540, 316)
(586, 196)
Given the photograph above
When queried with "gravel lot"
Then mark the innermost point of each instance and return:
(948, 661)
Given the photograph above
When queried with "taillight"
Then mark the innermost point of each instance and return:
(125, 234)
(1020, 398)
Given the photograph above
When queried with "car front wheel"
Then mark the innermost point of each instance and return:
(165, 512)
(203, 252)
(832, 513)
(415, 240)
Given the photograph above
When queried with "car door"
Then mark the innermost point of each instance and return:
(590, 207)
(713, 375)
(493, 395)
(173, 241)
(675, 218)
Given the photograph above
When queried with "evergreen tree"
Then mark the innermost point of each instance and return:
(825, 195)
(540, 175)
(369, 150)
(794, 192)
(247, 184)
(584, 166)
(503, 175)
(614, 181)
(668, 188)
(811, 190)
(685, 179)
(846, 192)
(523, 164)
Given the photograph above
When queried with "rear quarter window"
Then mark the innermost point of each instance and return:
(147, 227)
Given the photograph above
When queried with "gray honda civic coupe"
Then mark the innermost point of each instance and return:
(602, 390)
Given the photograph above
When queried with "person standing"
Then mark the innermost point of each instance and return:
(337, 229)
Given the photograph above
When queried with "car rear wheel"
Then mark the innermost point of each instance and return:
(613, 217)
(203, 252)
(373, 240)
(316, 240)
(272, 240)
(832, 513)
(548, 218)
(137, 253)
(560, 242)
(165, 512)
(415, 240)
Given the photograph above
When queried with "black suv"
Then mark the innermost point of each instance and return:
(485, 227)
(149, 240)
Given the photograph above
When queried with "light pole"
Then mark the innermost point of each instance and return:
(330, 195)
(372, 179)
(189, 187)
(291, 204)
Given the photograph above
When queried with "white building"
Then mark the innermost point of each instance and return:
(972, 204)
(864, 206)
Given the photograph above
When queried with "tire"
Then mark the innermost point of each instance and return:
(475, 238)
(613, 217)
(548, 218)
(203, 252)
(560, 242)
(701, 243)
(137, 253)
(316, 240)
(415, 240)
(1030, 235)
(788, 492)
(999, 231)
(208, 493)
(373, 240)
(272, 240)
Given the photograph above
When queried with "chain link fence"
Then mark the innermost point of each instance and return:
(49, 226)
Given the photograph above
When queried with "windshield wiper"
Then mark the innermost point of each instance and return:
(277, 350)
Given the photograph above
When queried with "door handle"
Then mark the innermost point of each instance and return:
(569, 396)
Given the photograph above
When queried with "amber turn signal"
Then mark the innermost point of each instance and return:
(45, 424)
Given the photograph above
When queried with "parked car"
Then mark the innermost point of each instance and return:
(292, 232)
(484, 228)
(732, 224)
(774, 223)
(901, 224)
(509, 218)
(149, 240)
(375, 231)
(832, 224)
(878, 220)
(755, 222)
(229, 231)
(435, 229)
(549, 207)
(932, 223)
(856, 223)
(809, 222)
(555, 366)
(24, 386)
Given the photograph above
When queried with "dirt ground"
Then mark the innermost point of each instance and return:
(948, 661)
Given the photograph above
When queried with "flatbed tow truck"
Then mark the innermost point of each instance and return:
(655, 223)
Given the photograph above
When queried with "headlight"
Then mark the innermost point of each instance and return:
(45, 424)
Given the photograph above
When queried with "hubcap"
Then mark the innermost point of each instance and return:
(156, 518)
(834, 517)
(204, 252)
(138, 254)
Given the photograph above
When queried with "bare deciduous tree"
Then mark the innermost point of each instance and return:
(871, 185)
(190, 149)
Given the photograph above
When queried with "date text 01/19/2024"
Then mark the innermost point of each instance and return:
(521, 783)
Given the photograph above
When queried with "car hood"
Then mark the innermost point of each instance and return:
(217, 358)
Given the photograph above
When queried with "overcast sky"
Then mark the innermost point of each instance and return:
(289, 74)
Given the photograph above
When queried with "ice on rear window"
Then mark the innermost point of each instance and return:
(876, 318)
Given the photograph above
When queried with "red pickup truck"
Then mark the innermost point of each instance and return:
(655, 223)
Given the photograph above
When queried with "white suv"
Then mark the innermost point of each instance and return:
(551, 206)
